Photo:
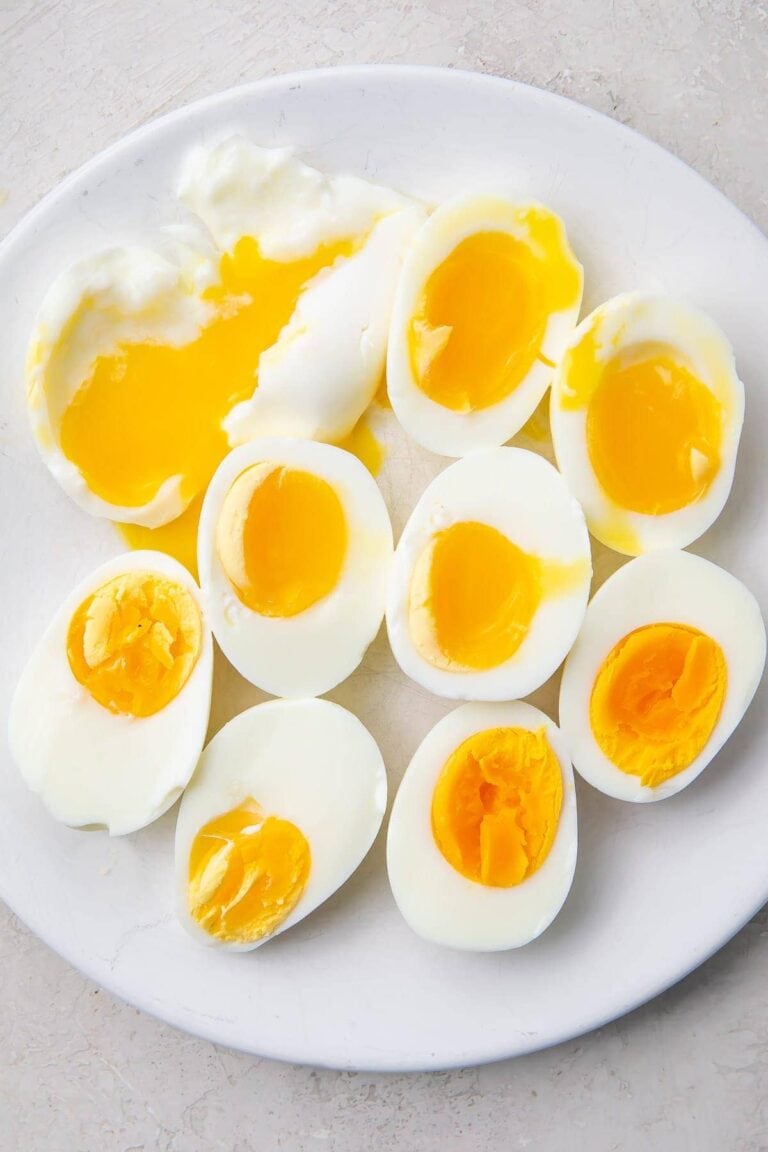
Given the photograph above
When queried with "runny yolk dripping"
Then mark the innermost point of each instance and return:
(247, 872)
(657, 699)
(496, 805)
(483, 312)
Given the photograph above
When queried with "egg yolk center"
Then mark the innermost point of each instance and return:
(281, 539)
(483, 313)
(496, 805)
(134, 642)
(247, 872)
(656, 700)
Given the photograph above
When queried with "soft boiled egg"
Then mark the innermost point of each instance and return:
(481, 847)
(646, 416)
(294, 554)
(491, 578)
(488, 295)
(286, 802)
(111, 711)
(671, 653)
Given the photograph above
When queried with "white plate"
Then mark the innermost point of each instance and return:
(658, 887)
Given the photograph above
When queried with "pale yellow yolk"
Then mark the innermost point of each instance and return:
(656, 700)
(134, 642)
(247, 872)
(474, 594)
(281, 539)
(484, 310)
(496, 805)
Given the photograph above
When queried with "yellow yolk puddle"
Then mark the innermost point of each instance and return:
(496, 805)
(657, 699)
(363, 443)
(134, 642)
(177, 538)
(247, 872)
(474, 595)
(483, 313)
(281, 539)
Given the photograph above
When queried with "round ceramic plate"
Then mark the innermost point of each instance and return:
(658, 887)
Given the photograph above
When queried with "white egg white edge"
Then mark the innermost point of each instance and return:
(308, 761)
(661, 587)
(544, 520)
(436, 428)
(636, 317)
(436, 901)
(275, 654)
(60, 736)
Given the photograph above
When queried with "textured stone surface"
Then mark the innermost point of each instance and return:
(80, 1071)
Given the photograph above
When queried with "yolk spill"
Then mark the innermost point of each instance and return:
(134, 642)
(363, 443)
(496, 805)
(247, 872)
(656, 700)
(178, 538)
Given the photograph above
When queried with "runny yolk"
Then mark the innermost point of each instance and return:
(656, 700)
(247, 872)
(483, 313)
(134, 642)
(474, 595)
(496, 805)
(281, 539)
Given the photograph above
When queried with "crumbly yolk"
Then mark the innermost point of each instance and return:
(474, 595)
(281, 539)
(247, 872)
(483, 313)
(496, 805)
(656, 700)
(134, 642)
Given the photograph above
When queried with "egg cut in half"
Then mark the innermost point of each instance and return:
(488, 295)
(294, 554)
(671, 653)
(111, 711)
(646, 415)
(491, 578)
(482, 840)
(286, 802)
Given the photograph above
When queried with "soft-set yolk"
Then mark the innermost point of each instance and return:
(247, 872)
(483, 312)
(134, 642)
(474, 595)
(656, 700)
(281, 539)
(496, 805)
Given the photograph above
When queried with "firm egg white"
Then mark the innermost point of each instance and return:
(91, 766)
(662, 587)
(439, 903)
(307, 761)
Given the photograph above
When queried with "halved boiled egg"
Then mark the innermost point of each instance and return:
(294, 554)
(646, 416)
(488, 295)
(491, 578)
(482, 840)
(671, 653)
(111, 711)
(286, 801)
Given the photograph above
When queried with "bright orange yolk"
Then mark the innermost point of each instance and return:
(247, 872)
(496, 805)
(483, 313)
(134, 642)
(656, 700)
(281, 539)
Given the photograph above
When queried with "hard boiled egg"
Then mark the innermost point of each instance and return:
(646, 416)
(111, 711)
(286, 802)
(491, 578)
(671, 653)
(481, 848)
